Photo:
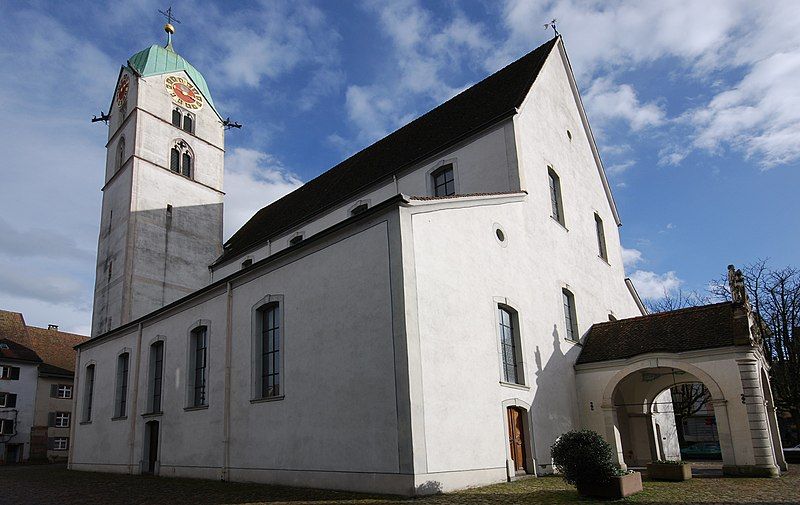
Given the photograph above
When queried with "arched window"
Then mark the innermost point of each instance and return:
(509, 344)
(183, 119)
(188, 123)
(180, 159)
(444, 181)
(120, 153)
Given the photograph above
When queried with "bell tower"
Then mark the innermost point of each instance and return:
(161, 223)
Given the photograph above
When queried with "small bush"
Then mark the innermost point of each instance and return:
(669, 462)
(583, 456)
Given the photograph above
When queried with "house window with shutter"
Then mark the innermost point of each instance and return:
(61, 391)
(8, 400)
(58, 443)
(58, 419)
(7, 427)
(9, 372)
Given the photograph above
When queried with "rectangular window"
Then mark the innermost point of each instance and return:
(6, 426)
(9, 372)
(508, 345)
(569, 315)
(444, 181)
(8, 400)
(121, 402)
(61, 420)
(270, 351)
(156, 371)
(88, 394)
(199, 365)
(64, 391)
(556, 207)
(601, 237)
(60, 443)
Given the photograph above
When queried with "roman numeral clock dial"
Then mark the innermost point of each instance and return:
(183, 92)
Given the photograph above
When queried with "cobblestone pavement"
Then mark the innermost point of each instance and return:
(47, 484)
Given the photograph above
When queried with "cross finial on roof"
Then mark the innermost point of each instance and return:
(169, 27)
(552, 24)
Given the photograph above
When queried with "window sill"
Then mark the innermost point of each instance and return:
(559, 223)
(573, 342)
(604, 260)
(195, 407)
(153, 414)
(85, 422)
(515, 386)
(268, 399)
(119, 418)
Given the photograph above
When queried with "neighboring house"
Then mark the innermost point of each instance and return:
(44, 405)
(19, 370)
(407, 322)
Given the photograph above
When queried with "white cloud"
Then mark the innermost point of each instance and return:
(253, 179)
(631, 257)
(620, 168)
(608, 101)
(651, 285)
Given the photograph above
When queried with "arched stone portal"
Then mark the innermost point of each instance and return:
(624, 365)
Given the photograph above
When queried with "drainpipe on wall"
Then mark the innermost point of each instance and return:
(74, 415)
(134, 406)
(226, 420)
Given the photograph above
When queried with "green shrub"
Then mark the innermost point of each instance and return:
(583, 456)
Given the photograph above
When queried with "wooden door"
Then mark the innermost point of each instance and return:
(516, 438)
(152, 448)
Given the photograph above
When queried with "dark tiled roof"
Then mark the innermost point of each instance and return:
(450, 197)
(12, 325)
(55, 347)
(466, 114)
(18, 352)
(705, 327)
(52, 346)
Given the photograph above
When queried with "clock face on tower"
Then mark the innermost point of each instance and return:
(122, 89)
(183, 92)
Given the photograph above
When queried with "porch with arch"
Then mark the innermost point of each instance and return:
(628, 366)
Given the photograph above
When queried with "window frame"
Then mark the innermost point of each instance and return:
(509, 336)
(555, 196)
(443, 170)
(155, 383)
(183, 151)
(9, 372)
(5, 403)
(122, 383)
(601, 237)
(4, 422)
(199, 328)
(88, 391)
(570, 315)
(62, 419)
(67, 389)
(257, 371)
(56, 446)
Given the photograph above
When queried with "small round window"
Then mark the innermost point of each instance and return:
(500, 235)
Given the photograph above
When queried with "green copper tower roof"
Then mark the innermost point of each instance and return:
(161, 60)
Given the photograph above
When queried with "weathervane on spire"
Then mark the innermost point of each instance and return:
(169, 28)
(552, 24)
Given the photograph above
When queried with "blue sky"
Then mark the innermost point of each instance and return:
(695, 106)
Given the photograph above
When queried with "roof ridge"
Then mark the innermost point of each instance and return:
(665, 313)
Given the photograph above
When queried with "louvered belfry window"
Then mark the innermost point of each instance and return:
(186, 165)
(175, 160)
(176, 117)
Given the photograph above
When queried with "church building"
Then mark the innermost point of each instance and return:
(415, 319)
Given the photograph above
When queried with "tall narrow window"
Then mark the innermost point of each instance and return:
(444, 181)
(176, 117)
(175, 160)
(121, 403)
(188, 123)
(199, 367)
(508, 343)
(156, 371)
(556, 207)
(120, 152)
(601, 237)
(270, 350)
(186, 165)
(88, 394)
(570, 319)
